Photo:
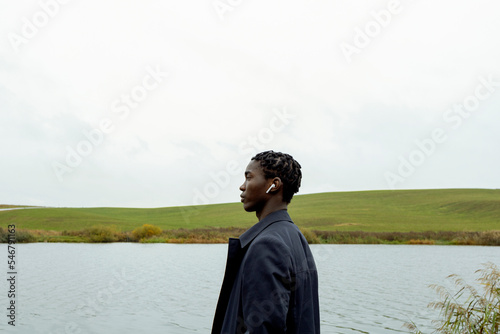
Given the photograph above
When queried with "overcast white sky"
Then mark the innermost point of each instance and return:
(163, 103)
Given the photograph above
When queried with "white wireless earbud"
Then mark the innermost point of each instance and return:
(271, 187)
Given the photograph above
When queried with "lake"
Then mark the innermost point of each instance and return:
(170, 288)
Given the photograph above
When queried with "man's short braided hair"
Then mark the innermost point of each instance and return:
(284, 166)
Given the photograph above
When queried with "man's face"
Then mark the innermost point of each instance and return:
(254, 188)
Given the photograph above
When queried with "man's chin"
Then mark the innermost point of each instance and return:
(248, 207)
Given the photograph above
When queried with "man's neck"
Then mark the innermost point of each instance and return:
(272, 207)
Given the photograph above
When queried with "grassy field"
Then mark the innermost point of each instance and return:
(405, 211)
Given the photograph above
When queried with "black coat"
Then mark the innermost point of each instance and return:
(271, 281)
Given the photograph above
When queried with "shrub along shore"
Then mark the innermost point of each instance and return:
(103, 234)
(437, 216)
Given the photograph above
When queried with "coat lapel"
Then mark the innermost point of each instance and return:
(247, 237)
(234, 256)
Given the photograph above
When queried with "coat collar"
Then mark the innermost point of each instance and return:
(252, 232)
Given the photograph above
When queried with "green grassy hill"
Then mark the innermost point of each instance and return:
(370, 211)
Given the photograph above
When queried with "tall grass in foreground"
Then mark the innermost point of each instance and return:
(467, 311)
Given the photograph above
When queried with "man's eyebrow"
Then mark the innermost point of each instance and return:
(248, 172)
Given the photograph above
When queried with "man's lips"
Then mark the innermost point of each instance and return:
(242, 199)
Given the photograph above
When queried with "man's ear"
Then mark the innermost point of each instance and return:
(278, 184)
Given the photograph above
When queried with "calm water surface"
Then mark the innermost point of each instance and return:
(167, 288)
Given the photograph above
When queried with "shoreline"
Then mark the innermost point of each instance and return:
(220, 235)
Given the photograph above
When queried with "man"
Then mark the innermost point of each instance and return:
(271, 282)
